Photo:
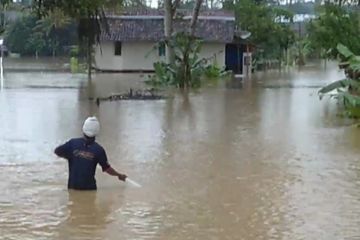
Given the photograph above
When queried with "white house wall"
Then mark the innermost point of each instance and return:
(133, 56)
(214, 49)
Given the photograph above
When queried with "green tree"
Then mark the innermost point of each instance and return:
(18, 34)
(36, 42)
(90, 16)
(335, 25)
(184, 67)
(346, 91)
(51, 24)
(170, 7)
(263, 21)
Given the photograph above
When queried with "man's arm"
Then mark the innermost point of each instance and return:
(103, 161)
(113, 172)
(64, 150)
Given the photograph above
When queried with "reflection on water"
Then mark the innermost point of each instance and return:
(260, 159)
(86, 211)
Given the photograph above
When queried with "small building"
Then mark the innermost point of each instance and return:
(129, 44)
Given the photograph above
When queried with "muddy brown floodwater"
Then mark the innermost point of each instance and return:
(262, 159)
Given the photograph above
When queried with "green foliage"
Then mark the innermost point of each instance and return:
(5, 2)
(188, 70)
(343, 84)
(74, 65)
(56, 19)
(213, 71)
(164, 76)
(74, 51)
(36, 42)
(18, 34)
(74, 9)
(262, 20)
(52, 25)
(300, 51)
(89, 15)
(90, 18)
(335, 25)
(29, 35)
(350, 62)
(346, 91)
(344, 51)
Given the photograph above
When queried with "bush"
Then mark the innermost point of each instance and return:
(27, 36)
(18, 35)
(188, 69)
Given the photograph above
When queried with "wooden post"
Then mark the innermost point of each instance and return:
(238, 58)
(247, 63)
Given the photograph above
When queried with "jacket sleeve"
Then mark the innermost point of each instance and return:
(103, 161)
(64, 150)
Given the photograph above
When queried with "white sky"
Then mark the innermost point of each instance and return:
(153, 3)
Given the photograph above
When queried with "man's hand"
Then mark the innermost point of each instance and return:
(122, 177)
(113, 172)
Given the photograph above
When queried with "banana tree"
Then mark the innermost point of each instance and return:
(50, 24)
(188, 70)
(346, 91)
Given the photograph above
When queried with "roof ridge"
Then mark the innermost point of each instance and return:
(160, 12)
(140, 17)
(151, 28)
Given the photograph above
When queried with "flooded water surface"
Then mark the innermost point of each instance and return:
(259, 159)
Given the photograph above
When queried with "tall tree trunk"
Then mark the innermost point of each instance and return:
(186, 60)
(4, 10)
(54, 46)
(170, 10)
(3, 14)
(168, 29)
(195, 16)
(89, 58)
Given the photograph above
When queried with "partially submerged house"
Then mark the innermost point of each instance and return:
(129, 44)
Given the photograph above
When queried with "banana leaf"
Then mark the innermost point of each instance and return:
(343, 50)
(355, 63)
(350, 101)
(344, 83)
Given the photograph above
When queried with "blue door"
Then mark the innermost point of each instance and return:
(233, 58)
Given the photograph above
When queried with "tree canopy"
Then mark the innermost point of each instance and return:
(335, 25)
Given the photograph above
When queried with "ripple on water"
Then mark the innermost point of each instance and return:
(277, 170)
(142, 219)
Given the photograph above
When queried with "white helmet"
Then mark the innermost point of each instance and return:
(91, 127)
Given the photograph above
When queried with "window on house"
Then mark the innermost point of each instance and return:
(117, 48)
(162, 50)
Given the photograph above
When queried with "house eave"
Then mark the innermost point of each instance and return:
(148, 25)
(159, 17)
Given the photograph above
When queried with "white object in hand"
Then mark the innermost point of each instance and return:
(133, 182)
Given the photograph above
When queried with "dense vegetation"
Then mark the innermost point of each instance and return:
(50, 28)
(29, 35)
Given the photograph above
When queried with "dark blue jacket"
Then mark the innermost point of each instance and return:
(83, 155)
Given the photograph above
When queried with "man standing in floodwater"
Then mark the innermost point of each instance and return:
(83, 155)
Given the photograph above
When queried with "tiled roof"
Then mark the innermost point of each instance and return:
(148, 25)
